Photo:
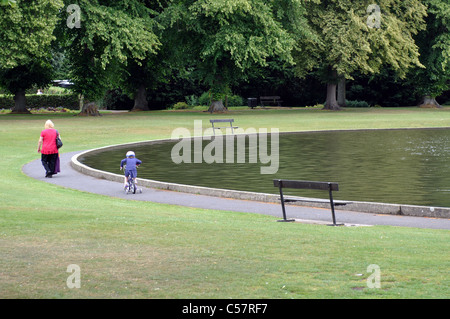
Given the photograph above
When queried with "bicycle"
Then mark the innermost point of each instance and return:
(130, 186)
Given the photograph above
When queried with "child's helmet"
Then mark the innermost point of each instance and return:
(130, 153)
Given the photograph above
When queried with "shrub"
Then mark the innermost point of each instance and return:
(180, 106)
(192, 100)
(6, 101)
(205, 99)
(357, 104)
(37, 101)
(233, 100)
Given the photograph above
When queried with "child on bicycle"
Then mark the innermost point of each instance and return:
(131, 163)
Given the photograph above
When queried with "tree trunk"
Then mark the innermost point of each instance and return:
(429, 102)
(331, 102)
(89, 109)
(341, 92)
(140, 99)
(217, 106)
(20, 103)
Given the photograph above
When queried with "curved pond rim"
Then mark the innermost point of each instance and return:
(348, 205)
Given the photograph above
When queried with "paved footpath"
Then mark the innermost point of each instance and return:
(71, 178)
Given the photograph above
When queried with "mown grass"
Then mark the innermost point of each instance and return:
(131, 249)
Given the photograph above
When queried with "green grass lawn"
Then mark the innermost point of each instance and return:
(131, 249)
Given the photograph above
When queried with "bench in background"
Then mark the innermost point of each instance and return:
(270, 100)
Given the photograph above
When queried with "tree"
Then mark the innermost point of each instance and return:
(224, 39)
(6, 2)
(434, 44)
(138, 76)
(26, 33)
(359, 36)
(109, 35)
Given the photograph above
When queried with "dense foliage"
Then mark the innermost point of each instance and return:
(26, 34)
(158, 53)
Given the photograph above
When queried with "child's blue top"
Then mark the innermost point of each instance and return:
(130, 162)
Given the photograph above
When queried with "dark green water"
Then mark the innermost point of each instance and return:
(389, 166)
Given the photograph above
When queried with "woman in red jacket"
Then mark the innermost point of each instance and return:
(47, 148)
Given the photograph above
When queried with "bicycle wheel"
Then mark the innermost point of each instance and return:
(129, 188)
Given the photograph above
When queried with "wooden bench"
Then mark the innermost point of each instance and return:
(329, 186)
(225, 127)
(270, 100)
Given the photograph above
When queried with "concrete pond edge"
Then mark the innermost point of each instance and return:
(357, 206)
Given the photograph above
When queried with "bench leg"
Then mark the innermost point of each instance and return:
(332, 207)
(283, 207)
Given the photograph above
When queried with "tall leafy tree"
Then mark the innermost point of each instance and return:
(223, 39)
(359, 36)
(140, 75)
(110, 34)
(434, 43)
(26, 34)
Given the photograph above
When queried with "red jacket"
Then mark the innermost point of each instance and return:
(49, 141)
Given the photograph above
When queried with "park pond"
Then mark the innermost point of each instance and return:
(404, 166)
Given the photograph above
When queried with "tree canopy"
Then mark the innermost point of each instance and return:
(110, 35)
(26, 34)
(223, 39)
(359, 36)
(137, 44)
(434, 44)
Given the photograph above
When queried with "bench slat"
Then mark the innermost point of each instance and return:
(306, 184)
(226, 127)
(221, 120)
(265, 100)
(289, 199)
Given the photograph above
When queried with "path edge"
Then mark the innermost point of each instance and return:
(364, 207)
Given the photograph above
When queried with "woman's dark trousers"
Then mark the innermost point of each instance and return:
(49, 161)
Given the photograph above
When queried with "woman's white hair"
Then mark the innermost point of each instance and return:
(49, 124)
